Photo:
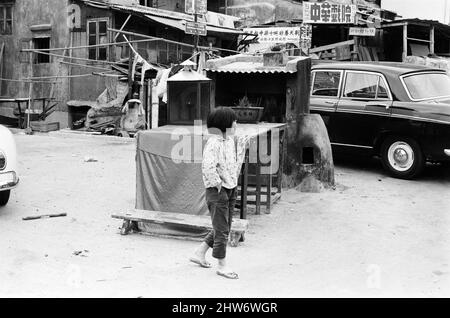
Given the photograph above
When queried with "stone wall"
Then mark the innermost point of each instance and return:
(26, 14)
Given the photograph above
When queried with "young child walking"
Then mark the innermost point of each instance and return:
(221, 165)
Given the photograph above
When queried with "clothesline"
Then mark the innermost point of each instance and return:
(85, 65)
(38, 79)
(147, 39)
(76, 58)
(25, 81)
(86, 46)
(207, 48)
(67, 76)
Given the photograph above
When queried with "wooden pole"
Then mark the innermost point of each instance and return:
(69, 69)
(405, 42)
(196, 38)
(149, 103)
(30, 92)
(432, 40)
(130, 74)
(1, 66)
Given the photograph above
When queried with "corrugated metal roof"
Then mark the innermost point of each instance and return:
(260, 70)
(417, 21)
(249, 64)
(188, 76)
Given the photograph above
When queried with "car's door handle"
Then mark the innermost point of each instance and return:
(385, 105)
(331, 103)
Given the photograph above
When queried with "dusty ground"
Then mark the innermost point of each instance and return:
(373, 236)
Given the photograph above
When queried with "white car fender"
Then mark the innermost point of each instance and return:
(8, 147)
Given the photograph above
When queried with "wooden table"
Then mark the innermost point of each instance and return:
(34, 113)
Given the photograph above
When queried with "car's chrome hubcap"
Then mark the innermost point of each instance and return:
(401, 156)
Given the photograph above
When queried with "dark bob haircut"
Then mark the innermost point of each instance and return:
(221, 118)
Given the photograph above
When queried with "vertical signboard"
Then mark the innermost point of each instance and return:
(305, 37)
(196, 6)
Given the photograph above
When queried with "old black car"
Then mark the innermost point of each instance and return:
(398, 111)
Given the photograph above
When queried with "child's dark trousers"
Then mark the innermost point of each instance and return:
(221, 207)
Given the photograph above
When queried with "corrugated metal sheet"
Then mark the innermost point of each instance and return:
(417, 21)
(261, 71)
(248, 64)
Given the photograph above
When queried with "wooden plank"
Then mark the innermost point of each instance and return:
(418, 40)
(251, 200)
(254, 192)
(375, 54)
(170, 218)
(46, 216)
(331, 46)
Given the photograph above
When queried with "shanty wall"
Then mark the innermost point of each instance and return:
(88, 88)
(16, 65)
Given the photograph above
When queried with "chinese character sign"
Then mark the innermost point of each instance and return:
(276, 34)
(305, 37)
(362, 31)
(196, 6)
(325, 12)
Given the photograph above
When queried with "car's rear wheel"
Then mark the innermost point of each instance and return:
(402, 157)
(4, 197)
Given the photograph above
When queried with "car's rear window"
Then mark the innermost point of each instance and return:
(326, 83)
(428, 85)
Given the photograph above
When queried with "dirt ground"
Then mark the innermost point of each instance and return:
(373, 236)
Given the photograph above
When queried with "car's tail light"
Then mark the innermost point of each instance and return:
(2, 160)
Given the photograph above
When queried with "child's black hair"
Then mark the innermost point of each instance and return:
(221, 118)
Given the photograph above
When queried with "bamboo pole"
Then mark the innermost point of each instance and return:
(123, 26)
(85, 65)
(25, 81)
(30, 93)
(75, 58)
(90, 46)
(207, 48)
(149, 103)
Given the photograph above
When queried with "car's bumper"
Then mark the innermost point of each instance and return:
(9, 184)
(447, 152)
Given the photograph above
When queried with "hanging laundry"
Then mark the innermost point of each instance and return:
(201, 63)
(162, 85)
(136, 60)
(158, 77)
(145, 68)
